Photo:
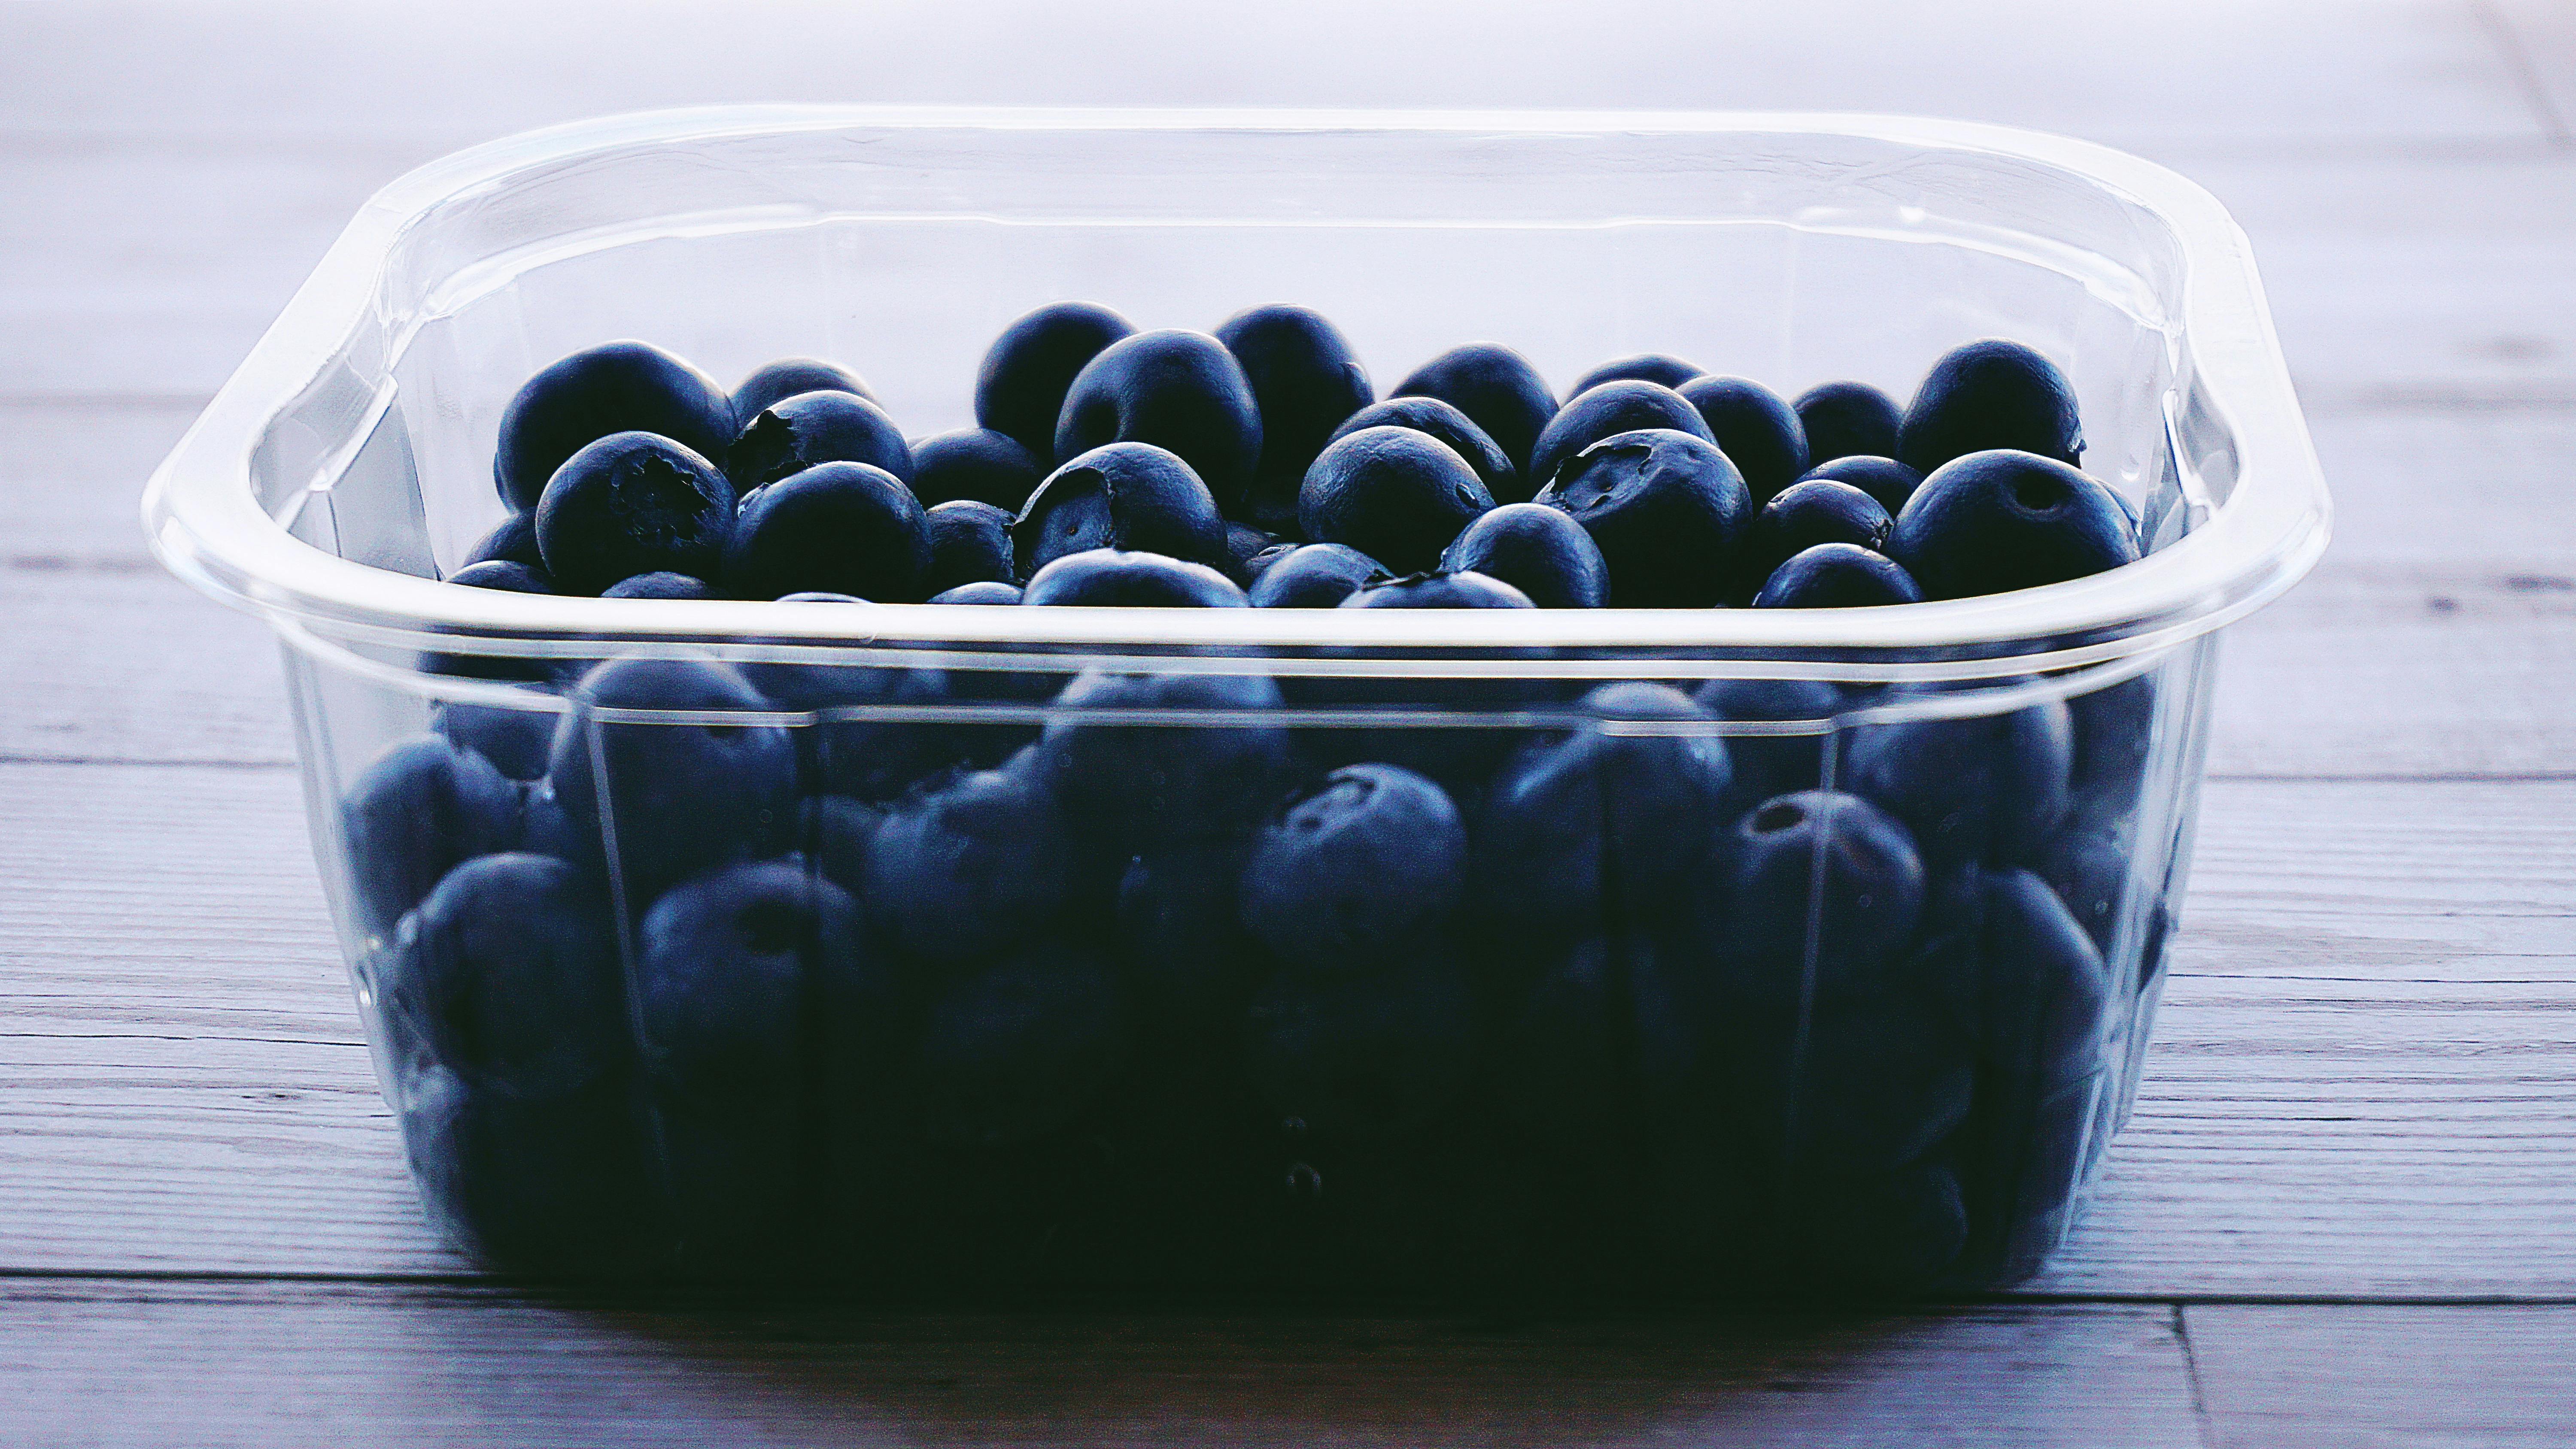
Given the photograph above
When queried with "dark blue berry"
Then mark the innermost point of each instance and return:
(1666, 508)
(1352, 873)
(1129, 496)
(1305, 379)
(977, 464)
(1362, 1058)
(1986, 787)
(508, 974)
(502, 574)
(1019, 390)
(1660, 368)
(1837, 576)
(633, 503)
(1882, 478)
(1803, 515)
(791, 376)
(811, 429)
(1107, 576)
(845, 528)
(1498, 390)
(1135, 779)
(513, 540)
(1443, 421)
(515, 740)
(1436, 590)
(981, 593)
(1603, 412)
(1397, 495)
(973, 866)
(970, 543)
(1822, 897)
(1757, 431)
(1987, 395)
(1022, 1048)
(419, 810)
(1992, 522)
(1846, 418)
(662, 585)
(1177, 390)
(1539, 550)
(616, 387)
(1778, 763)
(1315, 576)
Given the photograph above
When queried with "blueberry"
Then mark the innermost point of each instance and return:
(791, 376)
(1986, 787)
(1603, 412)
(977, 464)
(2043, 999)
(1351, 873)
(1315, 576)
(417, 811)
(1259, 563)
(986, 592)
(1107, 576)
(854, 751)
(837, 833)
(1562, 1070)
(1437, 590)
(1597, 828)
(1803, 515)
(552, 1186)
(2087, 865)
(837, 528)
(633, 503)
(508, 974)
(1177, 390)
(731, 970)
(516, 578)
(1189, 965)
(1989, 395)
(616, 387)
(1397, 495)
(1363, 1058)
(1992, 522)
(1539, 550)
(1878, 1232)
(973, 866)
(1854, 1088)
(1822, 896)
(1022, 1048)
(1129, 496)
(1135, 780)
(516, 741)
(1756, 429)
(2115, 730)
(1662, 369)
(811, 429)
(970, 543)
(662, 585)
(1019, 391)
(1777, 764)
(1498, 390)
(1842, 419)
(1666, 508)
(1443, 421)
(1882, 478)
(676, 796)
(1305, 379)
(512, 540)
(1837, 576)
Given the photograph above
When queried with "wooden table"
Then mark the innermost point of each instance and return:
(2345, 1212)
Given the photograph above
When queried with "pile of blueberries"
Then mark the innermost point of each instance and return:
(1100, 978)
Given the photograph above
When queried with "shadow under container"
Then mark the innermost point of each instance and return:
(1730, 950)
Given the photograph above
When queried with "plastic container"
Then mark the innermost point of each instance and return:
(1049, 1050)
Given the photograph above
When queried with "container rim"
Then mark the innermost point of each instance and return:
(203, 519)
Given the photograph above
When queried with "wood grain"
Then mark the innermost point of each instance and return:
(2286, 1378)
(290, 1366)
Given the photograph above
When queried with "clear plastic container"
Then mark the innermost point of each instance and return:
(979, 994)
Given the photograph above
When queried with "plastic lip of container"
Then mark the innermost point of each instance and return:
(2239, 442)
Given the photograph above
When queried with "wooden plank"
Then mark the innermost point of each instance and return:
(2362, 1081)
(289, 1366)
(2291, 1378)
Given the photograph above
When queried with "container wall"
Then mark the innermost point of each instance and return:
(1211, 976)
